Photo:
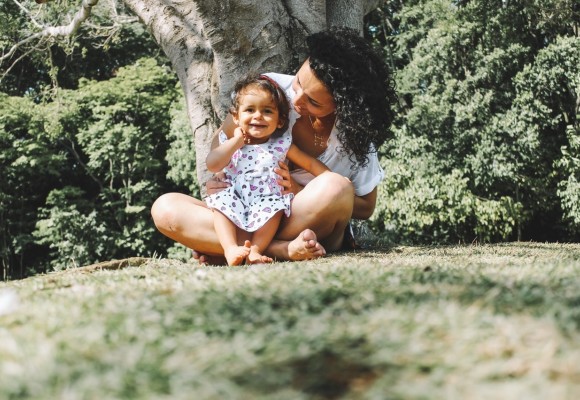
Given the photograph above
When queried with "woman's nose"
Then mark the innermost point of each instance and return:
(299, 98)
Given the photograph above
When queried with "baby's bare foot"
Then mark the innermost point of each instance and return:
(305, 247)
(236, 255)
(256, 258)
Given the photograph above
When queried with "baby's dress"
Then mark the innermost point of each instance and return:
(253, 196)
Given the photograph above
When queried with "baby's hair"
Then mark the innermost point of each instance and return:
(267, 84)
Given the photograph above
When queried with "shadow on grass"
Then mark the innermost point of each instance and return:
(325, 375)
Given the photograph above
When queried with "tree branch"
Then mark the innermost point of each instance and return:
(54, 31)
(80, 16)
(25, 10)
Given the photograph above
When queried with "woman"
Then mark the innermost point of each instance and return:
(341, 111)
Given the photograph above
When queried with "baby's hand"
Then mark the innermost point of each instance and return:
(240, 138)
(238, 132)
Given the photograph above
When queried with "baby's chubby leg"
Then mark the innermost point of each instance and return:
(228, 236)
(262, 238)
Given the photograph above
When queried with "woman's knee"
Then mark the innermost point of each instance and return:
(163, 211)
(336, 187)
(329, 194)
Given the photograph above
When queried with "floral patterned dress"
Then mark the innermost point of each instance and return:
(253, 196)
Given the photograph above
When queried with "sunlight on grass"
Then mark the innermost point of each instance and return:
(477, 322)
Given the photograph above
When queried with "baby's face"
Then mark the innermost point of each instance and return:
(257, 114)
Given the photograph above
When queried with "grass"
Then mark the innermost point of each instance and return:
(462, 322)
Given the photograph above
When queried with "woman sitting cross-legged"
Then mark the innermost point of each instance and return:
(342, 101)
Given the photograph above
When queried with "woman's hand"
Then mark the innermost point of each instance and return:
(216, 184)
(285, 179)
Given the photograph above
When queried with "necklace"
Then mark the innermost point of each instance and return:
(318, 138)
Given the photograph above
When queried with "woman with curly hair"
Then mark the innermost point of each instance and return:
(342, 98)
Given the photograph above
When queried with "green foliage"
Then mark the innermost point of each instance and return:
(30, 165)
(181, 152)
(84, 166)
(488, 92)
(542, 122)
(569, 187)
(80, 173)
(96, 51)
(115, 132)
(75, 233)
(419, 200)
(61, 193)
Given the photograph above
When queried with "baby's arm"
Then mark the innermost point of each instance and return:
(305, 161)
(221, 155)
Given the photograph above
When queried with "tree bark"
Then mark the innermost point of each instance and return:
(349, 12)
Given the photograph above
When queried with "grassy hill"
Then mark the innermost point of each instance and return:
(462, 322)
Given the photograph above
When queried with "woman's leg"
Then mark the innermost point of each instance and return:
(320, 212)
(188, 221)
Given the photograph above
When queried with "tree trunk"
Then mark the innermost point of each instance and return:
(212, 43)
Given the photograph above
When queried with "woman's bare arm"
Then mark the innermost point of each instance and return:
(364, 206)
(306, 161)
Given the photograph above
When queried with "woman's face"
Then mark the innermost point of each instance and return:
(312, 97)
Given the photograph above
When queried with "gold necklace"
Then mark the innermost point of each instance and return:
(318, 138)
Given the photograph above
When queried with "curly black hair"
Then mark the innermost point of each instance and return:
(267, 84)
(362, 87)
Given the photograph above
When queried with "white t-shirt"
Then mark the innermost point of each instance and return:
(364, 179)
